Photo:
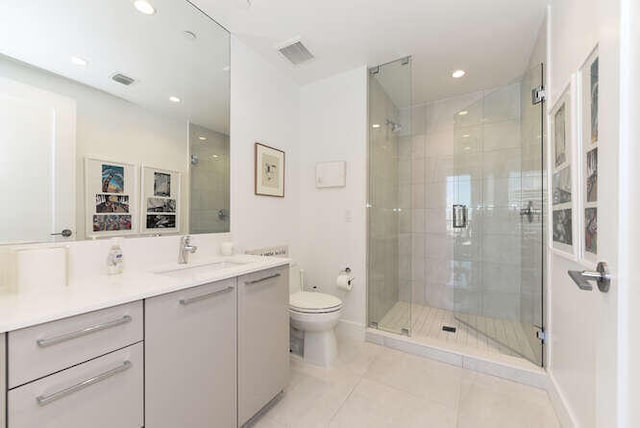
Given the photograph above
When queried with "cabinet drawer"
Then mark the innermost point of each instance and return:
(103, 393)
(38, 351)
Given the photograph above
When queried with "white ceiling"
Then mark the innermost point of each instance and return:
(490, 39)
(114, 37)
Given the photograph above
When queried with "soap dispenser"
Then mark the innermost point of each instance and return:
(115, 259)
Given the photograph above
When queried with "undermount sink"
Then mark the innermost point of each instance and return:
(200, 272)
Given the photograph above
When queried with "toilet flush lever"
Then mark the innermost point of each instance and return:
(601, 276)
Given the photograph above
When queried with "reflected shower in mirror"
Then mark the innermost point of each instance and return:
(99, 106)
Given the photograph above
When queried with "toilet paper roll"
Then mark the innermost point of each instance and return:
(344, 282)
(41, 269)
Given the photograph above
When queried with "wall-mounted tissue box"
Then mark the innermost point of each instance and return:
(331, 174)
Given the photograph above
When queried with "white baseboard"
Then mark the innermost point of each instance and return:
(350, 330)
(559, 403)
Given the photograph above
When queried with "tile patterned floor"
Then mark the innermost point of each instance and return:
(370, 386)
(428, 322)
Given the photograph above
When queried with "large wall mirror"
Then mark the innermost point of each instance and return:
(114, 120)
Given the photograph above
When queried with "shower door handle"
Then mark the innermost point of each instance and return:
(459, 216)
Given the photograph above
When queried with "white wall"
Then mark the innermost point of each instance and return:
(583, 348)
(264, 108)
(334, 127)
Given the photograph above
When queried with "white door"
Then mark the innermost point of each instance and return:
(584, 336)
(37, 163)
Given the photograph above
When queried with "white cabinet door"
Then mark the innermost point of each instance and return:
(3, 380)
(102, 393)
(190, 358)
(263, 339)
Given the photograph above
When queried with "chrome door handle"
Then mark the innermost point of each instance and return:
(459, 216)
(43, 400)
(601, 276)
(65, 233)
(194, 299)
(255, 281)
(43, 343)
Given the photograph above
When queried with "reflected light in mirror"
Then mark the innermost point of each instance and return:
(144, 7)
(458, 74)
(79, 61)
(174, 99)
(463, 113)
(202, 138)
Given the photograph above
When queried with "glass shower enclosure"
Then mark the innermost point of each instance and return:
(498, 216)
(389, 209)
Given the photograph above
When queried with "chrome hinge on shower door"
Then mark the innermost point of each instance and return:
(541, 335)
(538, 95)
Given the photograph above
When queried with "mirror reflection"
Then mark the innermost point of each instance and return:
(113, 120)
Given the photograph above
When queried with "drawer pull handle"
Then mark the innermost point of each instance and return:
(43, 400)
(43, 343)
(256, 281)
(191, 300)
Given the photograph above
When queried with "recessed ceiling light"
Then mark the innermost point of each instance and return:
(458, 74)
(375, 125)
(143, 6)
(202, 138)
(174, 99)
(79, 61)
(463, 113)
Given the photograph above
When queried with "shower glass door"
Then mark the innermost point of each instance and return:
(497, 217)
(389, 198)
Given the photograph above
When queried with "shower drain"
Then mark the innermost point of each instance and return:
(448, 329)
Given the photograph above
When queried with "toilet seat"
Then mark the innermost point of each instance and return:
(314, 303)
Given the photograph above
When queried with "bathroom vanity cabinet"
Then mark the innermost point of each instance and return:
(205, 355)
(85, 370)
(263, 331)
(190, 359)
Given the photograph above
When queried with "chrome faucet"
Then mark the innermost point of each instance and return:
(185, 249)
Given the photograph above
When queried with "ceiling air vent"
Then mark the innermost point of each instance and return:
(296, 52)
(122, 79)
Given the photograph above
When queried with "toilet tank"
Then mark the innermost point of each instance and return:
(295, 278)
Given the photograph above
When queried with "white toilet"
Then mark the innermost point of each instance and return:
(316, 315)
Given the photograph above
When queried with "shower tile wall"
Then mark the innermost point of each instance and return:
(209, 210)
(485, 175)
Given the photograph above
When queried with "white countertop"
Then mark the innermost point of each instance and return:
(102, 291)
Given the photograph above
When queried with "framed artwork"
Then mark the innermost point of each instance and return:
(110, 196)
(589, 140)
(563, 226)
(160, 201)
(269, 171)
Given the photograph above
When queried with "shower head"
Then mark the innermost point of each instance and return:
(395, 127)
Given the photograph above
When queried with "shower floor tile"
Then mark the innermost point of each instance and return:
(428, 322)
